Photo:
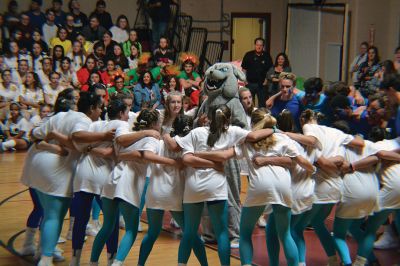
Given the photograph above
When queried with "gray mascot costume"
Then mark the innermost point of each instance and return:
(221, 87)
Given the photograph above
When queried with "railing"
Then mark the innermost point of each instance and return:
(211, 54)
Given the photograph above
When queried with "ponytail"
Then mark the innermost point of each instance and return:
(220, 119)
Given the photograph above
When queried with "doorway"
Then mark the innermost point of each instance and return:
(245, 28)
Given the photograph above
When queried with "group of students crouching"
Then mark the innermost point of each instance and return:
(297, 178)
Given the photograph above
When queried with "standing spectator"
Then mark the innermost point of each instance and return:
(80, 18)
(62, 40)
(256, 63)
(314, 97)
(11, 17)
(94, 31)
(60, 15)
(287, 99)
(281, 65)
(397, 59)
(37, 18)
(159, 13)
(163, 56)
(366, 74)
(103, 16)
(49, 28)
(358, 60)
(133, 39)
(120, 30)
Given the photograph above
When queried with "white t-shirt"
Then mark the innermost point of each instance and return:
(92, 172)
(9, 94)
(48, 172)
(52, 93)
(302, 184)
(44, 79)
(119, 35)
(165, 190)
(389, 194)
(77, 61)
(360, 189)
(207, 184)
(21, 125)
(327, 188)
(35, 120)
(269, 184)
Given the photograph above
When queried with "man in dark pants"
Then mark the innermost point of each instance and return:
(256, 64)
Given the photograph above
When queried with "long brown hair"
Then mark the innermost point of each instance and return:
(260, 119)
(220, 119)
(309, 115)
(167, 113)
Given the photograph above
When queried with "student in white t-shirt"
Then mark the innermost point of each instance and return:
(91, 174)
(52, 89)
(388, 198)
(16, 130)
(165, 193)
(125, 186)
(51, 177)
(209, 185)
(328, 185)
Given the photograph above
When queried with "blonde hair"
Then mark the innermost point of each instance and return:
(260, 119)
(167, 112)
(289, 76)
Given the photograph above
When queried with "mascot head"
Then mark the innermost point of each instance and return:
(222, 79)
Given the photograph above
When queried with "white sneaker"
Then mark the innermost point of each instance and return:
(61, 240)
(261, 222)
(174, 224)
(28, 250)
(57, 255)
(97, 224)
(235, 243)
(387, 240)
(140, 229)
(91, 230)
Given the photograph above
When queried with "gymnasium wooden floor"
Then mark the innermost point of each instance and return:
(15, 206)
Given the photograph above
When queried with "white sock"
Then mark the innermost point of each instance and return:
(117, 263)
(29, 236)
(8, 144)
(360, 261)
(45, 261)
(76, 257)
(110, 258)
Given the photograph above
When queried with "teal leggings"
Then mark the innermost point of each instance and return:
(155, 218)
(340, 228)
(298, 224)
(54, 211)
(218, 211)
(95, 210)
(111, 213)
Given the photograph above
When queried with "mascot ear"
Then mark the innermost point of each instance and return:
(238, 73)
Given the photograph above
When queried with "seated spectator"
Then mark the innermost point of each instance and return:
(163, 56)
(80, 18)
(119, 58)
(37, 38)
(77, 56)
(162, 74)
(30, 95)
(19, 76)
(190, 80)
(93, 79)
(44, 73)
(70, 27)
(100, 89)
(17, 36)
(52, 89)
(8, 93)
(26, 29)
(172, 85)
(387, 68)
(12, 16)
(16, 131)
(146, 94)
(133, 39)
(99, 54)
(120, 30)
(49, 28)
(103, 16)
(36, 16)
(94, 31)
(368, 81)
(108, 44)
(86, 45)
(44, 111)
(4, 34)
(118, 87)
(62, 40)
(110, 73)
(57, 56)
(133, 58)
(281, 65)
(133, 75)
(82, 76)
(287, 99)
(13, 56)
(66, 73)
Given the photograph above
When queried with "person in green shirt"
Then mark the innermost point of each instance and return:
(188, 78)
(133, 39)
(119, 87)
